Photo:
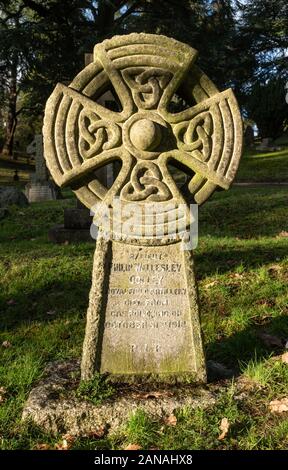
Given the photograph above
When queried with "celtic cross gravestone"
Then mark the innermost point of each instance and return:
(143, 318)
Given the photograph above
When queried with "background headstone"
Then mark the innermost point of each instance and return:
(40, 187)
(76, 227)
(11, 196)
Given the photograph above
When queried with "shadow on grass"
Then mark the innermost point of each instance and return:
(54, 301)
(246, 345)
(245, 214)
(222, 260)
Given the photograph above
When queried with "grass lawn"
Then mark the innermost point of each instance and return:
(242, 267)
(263, 166)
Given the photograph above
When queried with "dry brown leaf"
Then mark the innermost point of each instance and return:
(171, 420)
(6, 344)
(284, 358)
(3, 392)
(97, 433)
(270, 340)
(133, 447)
(69, 438)
(64, 445)
(224, 428)
(279, 406)
(42, 447)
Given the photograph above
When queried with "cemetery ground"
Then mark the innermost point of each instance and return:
(242, 269)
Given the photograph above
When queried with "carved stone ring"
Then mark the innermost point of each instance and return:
(144, 71)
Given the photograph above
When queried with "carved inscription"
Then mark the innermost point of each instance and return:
(147, 314)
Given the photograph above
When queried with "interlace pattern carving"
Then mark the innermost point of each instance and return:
(144, 72)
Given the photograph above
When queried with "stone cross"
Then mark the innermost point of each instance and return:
(143, 316)
(36, 148)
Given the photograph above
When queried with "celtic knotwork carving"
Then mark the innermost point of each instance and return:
(145, 71)
(195, 135)
(96, 135)
(146, 184)
(147, 85)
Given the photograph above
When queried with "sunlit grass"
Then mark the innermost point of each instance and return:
(242, 269)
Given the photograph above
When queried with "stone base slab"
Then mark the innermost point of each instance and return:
(53, 406)
(75, 218)
(60, 234)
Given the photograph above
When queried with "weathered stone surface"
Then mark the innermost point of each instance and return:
(53, 406)
(10, 196)
(129, 335)
(151, 324)
(207, 138)
(40, 191)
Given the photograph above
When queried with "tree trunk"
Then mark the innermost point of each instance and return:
(106, 13)
(11, 120)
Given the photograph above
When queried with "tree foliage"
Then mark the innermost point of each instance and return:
(44, 41)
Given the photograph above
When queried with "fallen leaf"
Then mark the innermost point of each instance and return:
(171, 420)
(133, 447)
(69, 438)
(97, 433)
(284, 358)
(6, 344)
(42, 447)
(64, 445)
(3, 392)
(270, 340)
(279, 406)
(224, 428)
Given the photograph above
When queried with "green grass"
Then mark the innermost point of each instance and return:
(262, 166)
(242, 268)
(95, 390)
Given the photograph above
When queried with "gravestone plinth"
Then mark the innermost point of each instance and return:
(143, 321)
(76, 227)
(40, 188)
(143, 316)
